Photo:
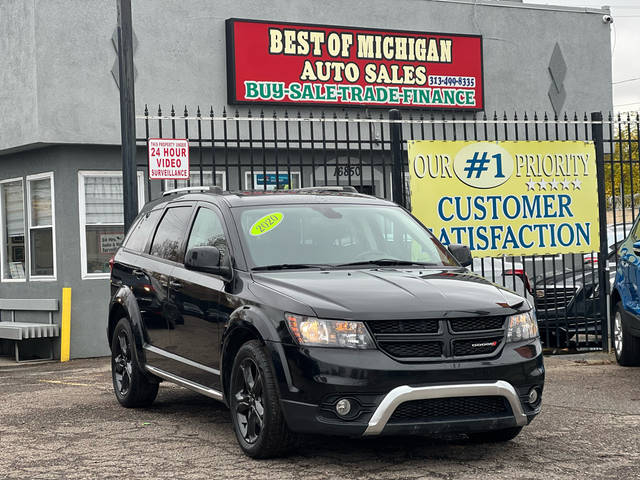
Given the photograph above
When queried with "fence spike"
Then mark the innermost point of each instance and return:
(173, 112)
(198, 111)
(159, 111)
(211, 110)
(224, 111)
(186, 114)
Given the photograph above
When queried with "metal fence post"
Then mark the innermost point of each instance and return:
(603, 266)
(127, 113)
(395, 128)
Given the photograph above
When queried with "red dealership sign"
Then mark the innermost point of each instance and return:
(285, 63)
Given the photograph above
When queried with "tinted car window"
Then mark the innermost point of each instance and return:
(141, 231)
(168, 239)
(207, 231)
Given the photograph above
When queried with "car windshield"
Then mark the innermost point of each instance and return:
(330, 235)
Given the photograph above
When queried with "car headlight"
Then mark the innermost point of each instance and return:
(522, 326)
(311, 331)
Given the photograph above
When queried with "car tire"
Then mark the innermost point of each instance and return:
(132, 388)
(626, 346)
(495, 436)
(254, 402)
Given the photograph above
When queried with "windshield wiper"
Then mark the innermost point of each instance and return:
(288, 266)
(386, 262)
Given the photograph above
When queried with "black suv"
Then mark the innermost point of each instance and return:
(318, 311)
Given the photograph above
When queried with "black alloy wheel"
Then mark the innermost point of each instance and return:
(249, 403)
(254, 401)
(122, 364)
(132, 387)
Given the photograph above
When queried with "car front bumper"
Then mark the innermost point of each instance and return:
(377, 385)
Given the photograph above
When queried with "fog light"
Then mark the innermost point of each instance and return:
(533, 396)
(343, 407)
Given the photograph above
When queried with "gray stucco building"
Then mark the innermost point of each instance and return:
(60, 186)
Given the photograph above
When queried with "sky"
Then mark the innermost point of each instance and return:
(625, 45)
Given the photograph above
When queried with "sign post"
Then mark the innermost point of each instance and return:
(127, 113)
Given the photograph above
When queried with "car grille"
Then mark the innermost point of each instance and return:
(476, 323)
(405, 326)
(431, 339)
(412, 349)
(449, 408)
(552, 298)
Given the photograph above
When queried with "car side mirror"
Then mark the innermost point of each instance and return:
(208, 260)
(461, 253)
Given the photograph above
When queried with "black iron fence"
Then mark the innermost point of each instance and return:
(277, 150)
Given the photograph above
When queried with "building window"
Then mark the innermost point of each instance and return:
(194, 181)
(101, 219)
(42, 246)
(272, 181)
(12, 229)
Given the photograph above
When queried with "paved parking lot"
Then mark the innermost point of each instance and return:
(62, 421)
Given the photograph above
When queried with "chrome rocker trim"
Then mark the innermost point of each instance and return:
(406, 393)
(183, 382)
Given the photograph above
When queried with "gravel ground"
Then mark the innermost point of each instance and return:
(62, 421)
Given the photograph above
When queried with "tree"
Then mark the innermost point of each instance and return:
(622, 165)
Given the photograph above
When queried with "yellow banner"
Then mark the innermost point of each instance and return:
(507, 198)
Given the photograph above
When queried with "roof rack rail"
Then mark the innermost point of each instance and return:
(329, 188)
(213, 189)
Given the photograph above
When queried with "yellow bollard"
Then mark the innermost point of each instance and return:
(65, 334)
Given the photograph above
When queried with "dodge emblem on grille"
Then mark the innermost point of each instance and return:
(485, 344)
(539, 293)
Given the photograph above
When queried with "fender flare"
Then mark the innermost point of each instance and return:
(125, 300)
(253, 320)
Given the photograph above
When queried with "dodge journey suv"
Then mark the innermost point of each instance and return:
(318, 311)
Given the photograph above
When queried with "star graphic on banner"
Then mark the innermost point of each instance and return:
(554, 184)
(576, 184)
(531, 185)
(543, 184)
(565, 184)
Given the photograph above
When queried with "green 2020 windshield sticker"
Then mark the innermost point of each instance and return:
(266, 224)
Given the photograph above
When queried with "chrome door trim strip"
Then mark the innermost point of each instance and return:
(178, 358)
(183, 382)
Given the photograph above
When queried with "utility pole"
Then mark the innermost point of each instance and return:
(127, 112)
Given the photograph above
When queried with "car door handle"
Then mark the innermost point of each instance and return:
(175, 284)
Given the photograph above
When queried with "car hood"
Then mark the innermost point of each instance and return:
(390, 293)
